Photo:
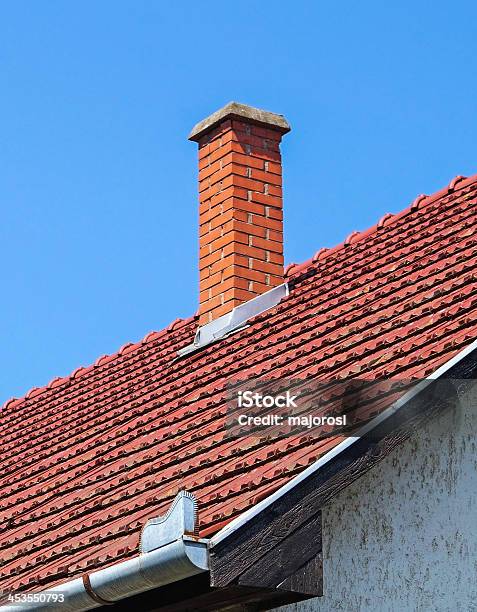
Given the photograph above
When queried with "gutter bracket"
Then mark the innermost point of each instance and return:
(92, 593)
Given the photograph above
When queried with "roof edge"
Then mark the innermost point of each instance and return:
(125, 349)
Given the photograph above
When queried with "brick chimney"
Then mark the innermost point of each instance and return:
(240, 206)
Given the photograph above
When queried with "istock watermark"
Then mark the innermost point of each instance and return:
(267, 408)
(305, 421)
(30, 599)
(248, 399)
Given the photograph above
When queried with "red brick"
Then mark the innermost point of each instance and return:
(275, 191)
(210, 302)
(239, 294)
(208, 170)
(223, 264)
(274, 167)
(248, 251)
(276, 258)
(250, 228)
(253, 140)
(274, 213)
(204, 251)
(225, 150)
(227, 239)
(267, 177)
(267, 200)
(215, 234)
(249, 161)
(265, 154)
(241, 260)
(204, 151)
(266, 222)
(207, 283)
(267, 245)
(228, 285)
(235, 192)
(242, 272)
(267, 267)
(260, 288)
(276, 236)
(227, 171)
(256, 130)
(244, 206)
(242, 181)
(209, 213)
(218, 311)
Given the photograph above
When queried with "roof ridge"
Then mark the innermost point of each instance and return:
(294, 270)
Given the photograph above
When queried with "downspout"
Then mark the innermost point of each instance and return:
(169, 551)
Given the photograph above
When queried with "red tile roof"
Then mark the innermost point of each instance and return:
(89, 458)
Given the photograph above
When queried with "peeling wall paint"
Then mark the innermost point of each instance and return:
(404, 536)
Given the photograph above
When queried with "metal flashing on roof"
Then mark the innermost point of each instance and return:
(180, 519)
(235, 319)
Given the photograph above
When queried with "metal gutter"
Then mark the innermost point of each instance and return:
(169, 552)
(248, 515)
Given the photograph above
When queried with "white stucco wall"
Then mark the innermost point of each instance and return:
(404, 536)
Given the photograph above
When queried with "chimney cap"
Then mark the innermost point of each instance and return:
(240, 111)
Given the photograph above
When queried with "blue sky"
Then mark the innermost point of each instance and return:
(98, 231)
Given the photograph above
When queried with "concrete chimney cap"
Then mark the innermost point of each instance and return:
(243, 112)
